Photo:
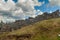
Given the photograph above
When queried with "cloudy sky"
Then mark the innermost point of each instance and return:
(11, 10)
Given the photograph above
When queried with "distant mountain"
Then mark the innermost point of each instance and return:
(21, 23)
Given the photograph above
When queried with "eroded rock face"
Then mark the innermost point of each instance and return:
(21, 23)
(17, 37)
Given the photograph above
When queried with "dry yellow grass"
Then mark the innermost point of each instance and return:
(43, 30)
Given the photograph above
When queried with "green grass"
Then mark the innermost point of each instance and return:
(43, 30)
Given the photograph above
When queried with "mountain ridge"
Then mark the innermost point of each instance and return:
(21, 23)
(42, 30)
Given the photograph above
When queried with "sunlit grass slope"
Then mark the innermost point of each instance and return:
(43, 30)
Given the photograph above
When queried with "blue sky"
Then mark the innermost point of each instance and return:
(13, 0)
(13, 10)
(44, 7)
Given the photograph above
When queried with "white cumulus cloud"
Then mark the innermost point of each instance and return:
(55, 2)
(11, 11)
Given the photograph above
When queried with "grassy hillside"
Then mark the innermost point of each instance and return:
(44, 30)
